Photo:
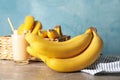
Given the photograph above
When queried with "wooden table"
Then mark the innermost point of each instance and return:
(39, 71)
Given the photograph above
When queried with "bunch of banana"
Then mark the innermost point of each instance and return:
(60, 35)
(35, 27)
(30, 25)
(54, 34)
(68, 56)
(64, 49)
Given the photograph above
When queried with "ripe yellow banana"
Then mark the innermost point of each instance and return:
(37, 27)
(29, 23)
(52, 34)
(64, 49)
(42, 33)
(33, 52)
(58, 30)
(83, 60)
(21, 29)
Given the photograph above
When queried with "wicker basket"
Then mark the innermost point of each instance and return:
(5, 47)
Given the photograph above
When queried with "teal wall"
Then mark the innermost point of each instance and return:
(75, 16)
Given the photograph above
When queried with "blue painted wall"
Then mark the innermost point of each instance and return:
(73, 15)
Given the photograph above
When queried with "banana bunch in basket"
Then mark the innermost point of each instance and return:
(35, 27)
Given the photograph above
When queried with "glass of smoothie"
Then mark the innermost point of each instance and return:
(19, 45)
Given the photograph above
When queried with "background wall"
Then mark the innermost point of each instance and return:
(75, 16)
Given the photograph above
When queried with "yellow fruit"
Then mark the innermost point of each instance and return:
(64, 49)
(58, 30)
(29, 23)
(52, 34)
(21, 29)
(32, 52)
(37, 27)
(42, 33)
(83, 60)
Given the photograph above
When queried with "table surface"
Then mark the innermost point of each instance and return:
(9, 70)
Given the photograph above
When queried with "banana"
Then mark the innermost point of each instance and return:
(32, 52)
(58, 30)
(21, 29)
(64, 49)
(42, 33)
(28, 23)
(52, 34)
(37, 27)
(83, 60)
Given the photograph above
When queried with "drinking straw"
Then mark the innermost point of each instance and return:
(11, 25)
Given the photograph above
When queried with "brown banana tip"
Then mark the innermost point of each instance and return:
(57, 26)
(93, 28)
